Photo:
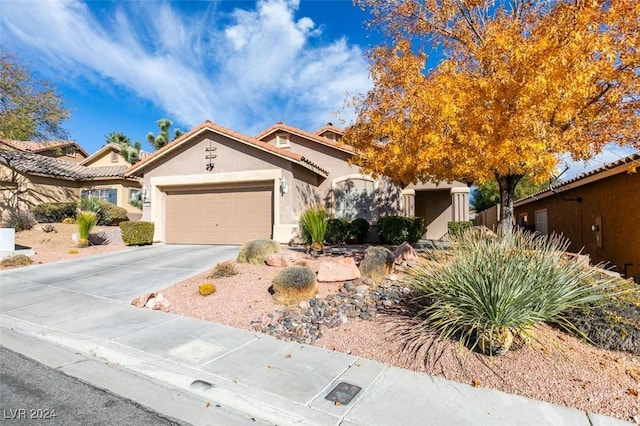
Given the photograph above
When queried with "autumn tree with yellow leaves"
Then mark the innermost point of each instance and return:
(519, 83)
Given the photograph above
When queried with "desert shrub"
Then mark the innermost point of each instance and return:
(54, 212)
(255, 251)
(359, 229)
(337, 231)
(397, 229)
(136, 203)
(16, 260)
(206, 289)
(457, 228)
(376, 264)
(137, 233)
(110, 214)
(492, 287)
(89, 204)
(20, 220)
(612, 323)
(85, 221)
(224, 269)
(313, 222)
(68, 220)
(294, 284)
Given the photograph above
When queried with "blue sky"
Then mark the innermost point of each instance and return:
(122, 65)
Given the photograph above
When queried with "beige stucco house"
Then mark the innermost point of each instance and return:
(28, 179)
(214, 185)
(64, 150)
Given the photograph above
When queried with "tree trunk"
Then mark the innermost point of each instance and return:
(507, 186)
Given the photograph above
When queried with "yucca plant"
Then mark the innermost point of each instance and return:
(313, 222)
(494, 288)
(85, 221)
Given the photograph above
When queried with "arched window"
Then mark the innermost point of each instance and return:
(354, 197)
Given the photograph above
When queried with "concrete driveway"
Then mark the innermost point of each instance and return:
(121, 275)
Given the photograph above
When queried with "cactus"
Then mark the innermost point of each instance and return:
(294, 284)
(206, 289)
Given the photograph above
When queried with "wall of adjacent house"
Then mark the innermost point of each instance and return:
(611, 203)
(108, 158)
(18, 191)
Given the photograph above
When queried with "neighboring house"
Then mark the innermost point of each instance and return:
(64, 150)
(214, 185)
(598, 211)
(28, 179)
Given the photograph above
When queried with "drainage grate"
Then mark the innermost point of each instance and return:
(343, 393)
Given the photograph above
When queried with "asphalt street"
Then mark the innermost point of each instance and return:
(31, 392)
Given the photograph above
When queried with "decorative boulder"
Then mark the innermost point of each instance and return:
(294, 284)
(255, 251)
(158, 303)
(404, 253)
(376, 264)
(283, 259)
(339, 269)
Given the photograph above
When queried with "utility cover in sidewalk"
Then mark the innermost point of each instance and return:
(343, 393)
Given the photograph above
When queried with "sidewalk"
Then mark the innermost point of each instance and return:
(82, 305)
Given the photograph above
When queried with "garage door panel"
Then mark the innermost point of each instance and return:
(214, 215)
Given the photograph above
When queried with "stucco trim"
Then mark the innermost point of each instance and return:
(160, 184)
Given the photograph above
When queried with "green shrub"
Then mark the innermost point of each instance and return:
(457, 228)
(294, 284)
(359, 229)
(495, 287)
(224, 269)
(20, 220)
(86, 221)
(136, 203)
(255, 251)
(15, 261)
(206, 289)
(110, 214)
(337, 231)
(137, 233)
(54, 212)
(89, 204)
(313, 222)
(397, 229)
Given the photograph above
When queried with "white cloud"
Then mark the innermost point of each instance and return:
(245, 70)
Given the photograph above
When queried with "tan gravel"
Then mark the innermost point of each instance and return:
(556, 368)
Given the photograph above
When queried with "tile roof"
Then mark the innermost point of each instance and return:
(36, 164)
(307, 135)
(208, 125)
(329, 127)
(34, 146)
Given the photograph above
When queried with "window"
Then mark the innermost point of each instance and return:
(110, 194)
(70, 151)
(354, 198)
(282, 141)
(135, 195)
(114, 157)
(522, 219)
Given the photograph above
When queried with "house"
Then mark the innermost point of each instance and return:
(215, 185)
(64, 150)
(28, 179)
(597, 211)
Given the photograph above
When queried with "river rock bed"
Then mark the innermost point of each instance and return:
(307, 322)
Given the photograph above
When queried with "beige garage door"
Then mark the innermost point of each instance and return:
(219, 214)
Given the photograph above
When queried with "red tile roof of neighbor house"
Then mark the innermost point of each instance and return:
(307, 135)
(40, 165)
(208, 125)
(34, 146)
(329, 127)
(622, 165)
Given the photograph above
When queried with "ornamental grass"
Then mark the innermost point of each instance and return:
(489, 290)
(313, 222)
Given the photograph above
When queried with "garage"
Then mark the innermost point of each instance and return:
(220, 214)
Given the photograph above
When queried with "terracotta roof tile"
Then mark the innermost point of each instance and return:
(36, 164)
(329, 127)
(35, 146)
(308, 135)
